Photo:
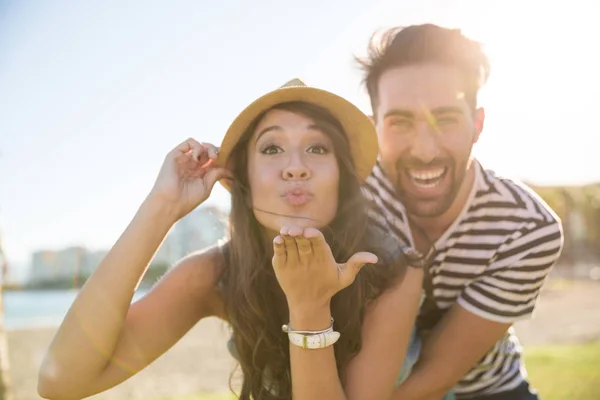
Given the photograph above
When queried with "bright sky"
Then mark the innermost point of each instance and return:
(93, 94)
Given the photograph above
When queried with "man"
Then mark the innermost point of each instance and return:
(491, 241)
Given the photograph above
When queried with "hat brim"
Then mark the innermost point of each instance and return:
(359, 129)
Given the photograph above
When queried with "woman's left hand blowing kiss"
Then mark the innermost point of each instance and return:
(307, 271)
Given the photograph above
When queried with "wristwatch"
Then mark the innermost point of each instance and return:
(311, 342)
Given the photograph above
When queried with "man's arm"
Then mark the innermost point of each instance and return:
(485, 310)
(456, 344)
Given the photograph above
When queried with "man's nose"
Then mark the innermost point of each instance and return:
(425, 146)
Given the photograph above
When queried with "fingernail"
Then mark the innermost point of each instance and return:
(278, 240)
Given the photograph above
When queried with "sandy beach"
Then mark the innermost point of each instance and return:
(568, 312)
(198, 363)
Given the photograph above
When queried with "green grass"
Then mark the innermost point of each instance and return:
(565, 372)
(558, 372)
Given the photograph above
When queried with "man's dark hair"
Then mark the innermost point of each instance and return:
(425, 44)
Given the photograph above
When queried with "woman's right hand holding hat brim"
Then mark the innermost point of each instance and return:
(187, 177)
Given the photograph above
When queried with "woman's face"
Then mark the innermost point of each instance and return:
(292, 171)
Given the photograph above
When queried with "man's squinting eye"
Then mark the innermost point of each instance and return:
(446, 119)
(401, 123)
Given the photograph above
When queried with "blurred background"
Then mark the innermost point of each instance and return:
(94, 94)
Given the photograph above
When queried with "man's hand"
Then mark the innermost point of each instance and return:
(459, 341)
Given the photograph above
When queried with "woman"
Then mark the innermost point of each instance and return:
(300, 254)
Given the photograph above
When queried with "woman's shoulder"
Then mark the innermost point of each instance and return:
(197, 276)
(191, 284)
(203, 268)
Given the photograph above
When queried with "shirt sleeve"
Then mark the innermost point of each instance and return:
(509, 290)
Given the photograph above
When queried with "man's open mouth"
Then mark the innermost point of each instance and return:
(427, 179)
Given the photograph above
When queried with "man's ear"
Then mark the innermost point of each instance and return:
(479, 120)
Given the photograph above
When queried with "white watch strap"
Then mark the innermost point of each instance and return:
(318, 341)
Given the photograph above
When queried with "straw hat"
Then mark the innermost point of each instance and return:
(358, 127)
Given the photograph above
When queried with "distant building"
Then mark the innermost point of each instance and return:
(47, 265)
(201, 228)
(92, 260)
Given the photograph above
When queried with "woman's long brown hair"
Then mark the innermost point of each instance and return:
(255, 304)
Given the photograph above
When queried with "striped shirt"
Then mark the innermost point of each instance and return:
(493, 261)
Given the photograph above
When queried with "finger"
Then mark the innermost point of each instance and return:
(212, 150)
(279, 253)
(200, 154)
(305, 253)
(295, 231)
(216, 173)
(194, 148)
(355, 264)
(362, 258)
(317, 242)
(291, 249)
(187, 145)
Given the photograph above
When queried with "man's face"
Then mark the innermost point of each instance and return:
(426, 133)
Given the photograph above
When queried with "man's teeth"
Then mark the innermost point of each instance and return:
(427, 179)
(427, 185)
(427, 175)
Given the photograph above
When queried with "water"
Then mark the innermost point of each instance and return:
(39, 308)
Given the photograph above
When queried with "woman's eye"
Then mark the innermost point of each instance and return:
(318, 149)
(271, 149)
